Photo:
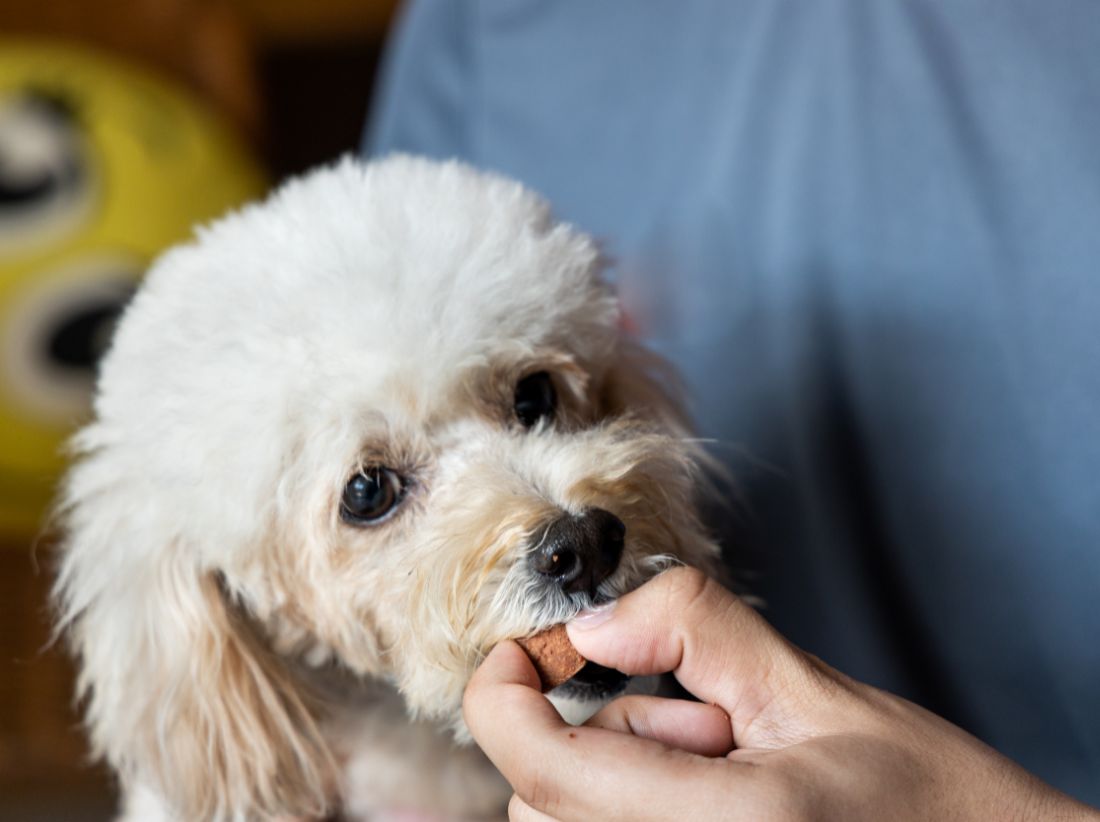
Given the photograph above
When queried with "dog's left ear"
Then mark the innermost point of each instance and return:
(181, 696)
(645, 386)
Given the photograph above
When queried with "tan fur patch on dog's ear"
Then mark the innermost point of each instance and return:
(645, 386)
(237, 733)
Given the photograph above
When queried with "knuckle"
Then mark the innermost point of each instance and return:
(691, 592)
(482, 707)
(469, 706)
(767, 793)
(632, 715)
(627, 714)
(517, 810)
(472, 701)
(537, 793)
(685, 585)
(617, 716)
(793, 799)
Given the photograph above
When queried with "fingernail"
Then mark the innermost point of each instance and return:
(593, 617)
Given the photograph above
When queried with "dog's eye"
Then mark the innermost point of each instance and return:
(535, 399)
(370, 495)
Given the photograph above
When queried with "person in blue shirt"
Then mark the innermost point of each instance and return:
(868, 234)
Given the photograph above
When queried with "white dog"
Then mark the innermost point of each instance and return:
(345, 442)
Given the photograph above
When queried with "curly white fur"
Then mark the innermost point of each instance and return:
(231, 627)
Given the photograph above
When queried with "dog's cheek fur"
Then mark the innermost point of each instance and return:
(313, 583)
(672, 477)
(439, 609)
(180, 696)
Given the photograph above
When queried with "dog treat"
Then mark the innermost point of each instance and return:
(553, 655)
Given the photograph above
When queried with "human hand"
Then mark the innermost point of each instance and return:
(779, 735)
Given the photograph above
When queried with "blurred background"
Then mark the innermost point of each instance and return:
(123, 123)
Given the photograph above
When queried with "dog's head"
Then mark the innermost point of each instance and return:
(381, 421)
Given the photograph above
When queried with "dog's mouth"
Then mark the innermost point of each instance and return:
(594, 682)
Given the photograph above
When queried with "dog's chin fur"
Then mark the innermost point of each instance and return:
(244, 651)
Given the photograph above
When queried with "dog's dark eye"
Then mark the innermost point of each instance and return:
(535, 399)
(370, 495)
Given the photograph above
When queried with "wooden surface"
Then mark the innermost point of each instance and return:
(42, 751)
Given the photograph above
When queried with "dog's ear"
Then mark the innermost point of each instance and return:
(643, 385)
(180, 697)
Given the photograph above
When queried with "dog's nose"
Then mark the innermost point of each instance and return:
(580, 552)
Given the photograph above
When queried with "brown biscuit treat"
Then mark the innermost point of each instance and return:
(553, 655)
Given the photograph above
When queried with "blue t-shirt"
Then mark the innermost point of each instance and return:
(868, 232)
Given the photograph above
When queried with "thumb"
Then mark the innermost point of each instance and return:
(720, 650)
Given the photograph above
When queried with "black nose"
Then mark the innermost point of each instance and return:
(580, 552)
